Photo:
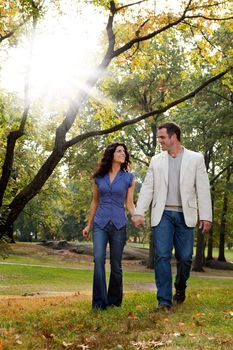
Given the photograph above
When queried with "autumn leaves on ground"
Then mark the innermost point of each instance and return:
(64, 319)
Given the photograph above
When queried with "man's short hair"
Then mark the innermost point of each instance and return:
(172, 128)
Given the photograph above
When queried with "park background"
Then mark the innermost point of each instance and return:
(75, 76)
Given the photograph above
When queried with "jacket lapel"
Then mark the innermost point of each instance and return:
(184, 165)
(165, 166)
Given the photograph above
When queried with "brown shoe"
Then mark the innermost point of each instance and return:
(179, 297)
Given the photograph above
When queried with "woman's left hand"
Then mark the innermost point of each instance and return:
(86, 232)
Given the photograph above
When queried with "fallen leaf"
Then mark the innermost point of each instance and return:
(143, 345)
(181, 324)
(177, 334)
(132, 316)
(66, 345)
(83, 346)
(228, 313)
(89, 342)
(192, 335)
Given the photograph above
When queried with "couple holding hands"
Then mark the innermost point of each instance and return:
(176, 187)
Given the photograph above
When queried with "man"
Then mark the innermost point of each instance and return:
(175, 182)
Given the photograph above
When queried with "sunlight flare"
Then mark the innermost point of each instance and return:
(65, 50)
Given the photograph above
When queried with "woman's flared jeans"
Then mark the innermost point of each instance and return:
(102, 298)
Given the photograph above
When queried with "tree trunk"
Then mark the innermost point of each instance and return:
(200, 247)
(210, 238)
(210, 246)
(10, 234)
(199, 258)
(221, 256)
(19, 202)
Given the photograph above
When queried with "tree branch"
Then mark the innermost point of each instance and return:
(146, 115)
(221, 96)
(16, 134)
(210, 18)
(139, 160)
(184, 15)
(212, 181)
(187, 7)
(211, 44)
(68, 121)
(130, 43)
(132, 4)
(12, 32)
(209, 5)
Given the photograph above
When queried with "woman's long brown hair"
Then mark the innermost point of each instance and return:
(106, 162)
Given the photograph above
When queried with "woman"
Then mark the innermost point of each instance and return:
(113, 190)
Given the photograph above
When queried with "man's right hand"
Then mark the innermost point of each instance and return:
(138, 220)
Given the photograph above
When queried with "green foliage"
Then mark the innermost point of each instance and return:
(32, 8)
(143, 79)
(102, 3)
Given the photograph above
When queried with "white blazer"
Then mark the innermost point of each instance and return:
(194, 188)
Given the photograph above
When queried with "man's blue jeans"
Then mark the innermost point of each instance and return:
(116, 238)
(172, 231)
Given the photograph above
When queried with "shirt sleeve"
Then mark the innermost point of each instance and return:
(97, 181)
(130, 179)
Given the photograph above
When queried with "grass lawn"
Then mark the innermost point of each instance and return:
(228, 253)
(66, 321)
(35, 254)
(204, 321)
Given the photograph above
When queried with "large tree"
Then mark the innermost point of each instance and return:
(198, 16)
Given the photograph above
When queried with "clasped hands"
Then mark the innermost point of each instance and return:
(138, 220)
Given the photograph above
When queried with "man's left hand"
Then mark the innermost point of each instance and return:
(205, 226)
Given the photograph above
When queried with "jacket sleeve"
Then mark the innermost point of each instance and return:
(146, 192)
(203, 191)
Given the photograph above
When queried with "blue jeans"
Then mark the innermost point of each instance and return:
(172, 231)
(116, 238)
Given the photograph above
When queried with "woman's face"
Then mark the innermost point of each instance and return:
(119, 155)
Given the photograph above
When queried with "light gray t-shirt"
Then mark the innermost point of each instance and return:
(173, 201)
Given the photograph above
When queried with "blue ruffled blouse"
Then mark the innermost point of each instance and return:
(112, 198)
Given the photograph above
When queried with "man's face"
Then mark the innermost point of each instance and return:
(165, 141)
